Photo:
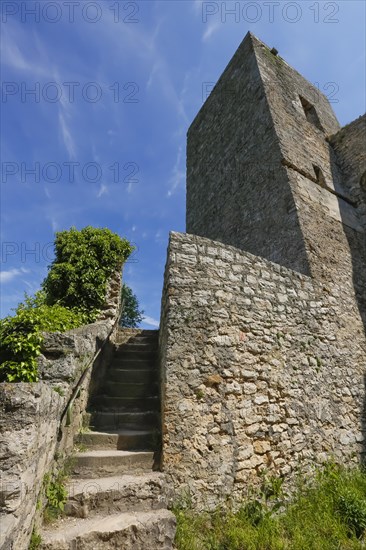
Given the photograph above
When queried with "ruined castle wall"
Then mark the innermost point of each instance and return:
(237, 188)
(261, 369)
(34, 426)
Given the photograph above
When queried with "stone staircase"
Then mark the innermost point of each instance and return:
(116, 499)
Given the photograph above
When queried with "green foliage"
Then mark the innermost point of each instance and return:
(59, 390)
(35, 541)
(327, 513)
(72, 295)
(268, 500)
(56, 495)
(84, 261)
(131, 314)
(352, 509)
(21, 336)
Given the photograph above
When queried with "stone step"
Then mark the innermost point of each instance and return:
(138, 331)
(147, 342)
(125, 404)
(124, 389)
(131, 376)
(133, 363)
(148, 347)
(115, 420)
(124, 440)
(137, 335)
(108, 495)
(103, 463)
(124, 353)
(154, 530)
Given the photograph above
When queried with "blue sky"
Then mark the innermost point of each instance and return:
(101, 140)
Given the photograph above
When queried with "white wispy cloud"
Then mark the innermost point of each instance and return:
(18, 56)
(178, 173)
(150, 321)
(9, 275)
(145, 46)
(66, 136)
(103, 190)
(211, 29)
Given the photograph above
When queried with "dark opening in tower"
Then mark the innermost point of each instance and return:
(320, 179)
(310, 113)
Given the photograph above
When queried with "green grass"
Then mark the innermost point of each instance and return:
(327, 513)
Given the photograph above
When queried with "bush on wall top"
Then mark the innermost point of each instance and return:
(73, 293)
(84, 262)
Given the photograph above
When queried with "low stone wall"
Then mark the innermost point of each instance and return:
(33, 423)
(261, 368)
(33, 427)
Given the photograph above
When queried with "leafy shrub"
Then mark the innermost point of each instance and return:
(72, 295)
(84, 261)
(21, 336)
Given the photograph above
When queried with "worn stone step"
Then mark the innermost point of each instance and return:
(133, 363)
(125, 440)
(137, 331)
(131, 376)
(148, 342)
(108, 462)
(108, 495)
(115, 420)
(124, 389)
(153, 530)
(127, 353)
(146, 347)
(137, 335)
(125, 404)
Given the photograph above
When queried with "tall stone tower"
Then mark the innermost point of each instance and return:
(270, 171)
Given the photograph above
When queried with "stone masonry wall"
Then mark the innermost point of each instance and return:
(237, 188)
(260, 367)
(33, 423)
(32, 428)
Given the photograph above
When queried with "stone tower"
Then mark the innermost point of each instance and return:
(270, 171)
(263, 362)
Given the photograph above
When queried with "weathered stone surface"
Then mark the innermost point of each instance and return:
(135, 531)
(270, 171)
(290, 387)
(33, 424)
(29, 423)
(103, 495)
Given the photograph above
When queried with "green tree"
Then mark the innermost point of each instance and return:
(131, 314)
(84, 261)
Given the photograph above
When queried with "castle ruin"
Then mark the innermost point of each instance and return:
(264, 303)
(262, 342)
